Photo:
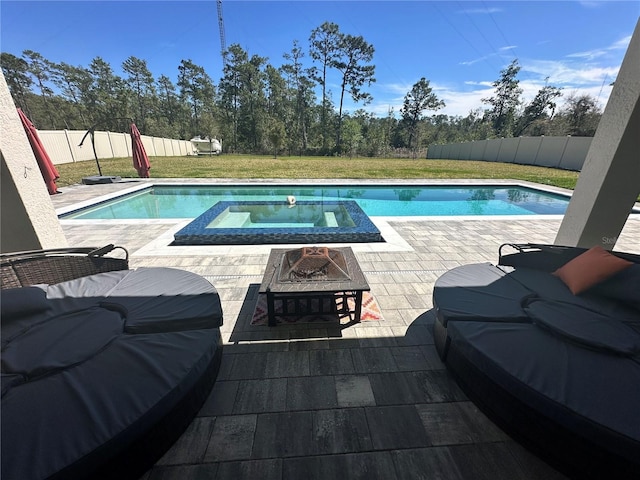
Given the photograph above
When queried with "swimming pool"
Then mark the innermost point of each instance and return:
(168, 201)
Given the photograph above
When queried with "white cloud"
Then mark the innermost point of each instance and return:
(592, 3)
(459, 102)
(473, 82)
(621, 44)
(562, 73)
(499, 53)
(582, 73)
(588, 55)
(479, 59)
(396, 88)
(481, 11)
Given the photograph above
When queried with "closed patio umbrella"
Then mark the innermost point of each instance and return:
(47, 168)
(140, 159)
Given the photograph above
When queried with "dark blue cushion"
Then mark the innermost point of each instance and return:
(584, 327)
(21, 302)
(623, 287)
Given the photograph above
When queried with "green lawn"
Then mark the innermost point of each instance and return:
(251, 166)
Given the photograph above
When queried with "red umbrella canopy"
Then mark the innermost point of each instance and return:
(47, 168)
(140, 158)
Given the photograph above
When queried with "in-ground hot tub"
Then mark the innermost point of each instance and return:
(260, 222)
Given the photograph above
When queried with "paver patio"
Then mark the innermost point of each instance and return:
(321, 401)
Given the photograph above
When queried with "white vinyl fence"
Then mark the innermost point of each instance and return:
(63, 145)
(567, 153)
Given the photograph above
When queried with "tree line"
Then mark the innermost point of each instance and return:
(257, 107)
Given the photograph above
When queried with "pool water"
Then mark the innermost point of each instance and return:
(394, 201)
(300, 215)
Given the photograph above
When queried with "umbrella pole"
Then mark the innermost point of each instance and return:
(93, 145)
(92, 180)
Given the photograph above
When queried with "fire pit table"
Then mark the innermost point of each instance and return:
(313, 280)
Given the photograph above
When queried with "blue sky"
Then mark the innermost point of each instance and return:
(459, 46)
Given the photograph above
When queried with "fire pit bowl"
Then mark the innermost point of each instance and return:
(313, 264)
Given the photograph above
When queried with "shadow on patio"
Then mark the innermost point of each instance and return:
(324, 402)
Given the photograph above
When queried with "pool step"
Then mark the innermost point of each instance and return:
(231, 220)
(281, 225)
(330, 219)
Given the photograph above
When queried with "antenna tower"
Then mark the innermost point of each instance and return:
(223, 45)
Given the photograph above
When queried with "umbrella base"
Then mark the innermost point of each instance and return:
(97, 179)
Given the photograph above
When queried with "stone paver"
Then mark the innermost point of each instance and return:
(371, 400)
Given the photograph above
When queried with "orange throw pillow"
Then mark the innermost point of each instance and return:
(590, 268)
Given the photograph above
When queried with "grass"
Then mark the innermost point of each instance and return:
(257, 167)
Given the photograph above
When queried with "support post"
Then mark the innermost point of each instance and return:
(609, 183)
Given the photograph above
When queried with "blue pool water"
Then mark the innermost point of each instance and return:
(393, 201)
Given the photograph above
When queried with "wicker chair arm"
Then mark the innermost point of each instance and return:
(21, 269)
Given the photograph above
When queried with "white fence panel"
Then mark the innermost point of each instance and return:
(158, 147)
(551, 150)
(177, 148)
(56, 144)
(103, 146)
(477, 150)
(120, 144)
(149, 147)
(465, 151)
(575, 153)
(528, 150)
(435, 151)
(63, 145)
(508, 150)
(168, 147)
(492, 151)
(558, 152)
(79, 153)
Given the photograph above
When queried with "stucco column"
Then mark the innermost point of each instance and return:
(28, 220)
(610, 179)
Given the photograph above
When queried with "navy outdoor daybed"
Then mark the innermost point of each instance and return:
(559, 371)
(102, 373)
